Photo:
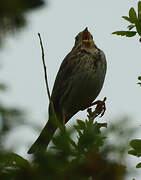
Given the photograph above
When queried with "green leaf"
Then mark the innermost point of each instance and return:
(139, 10)
(138, 165)
(136, 144)
(132, 152)
(125, 33)
(138, 26)
(131, 26)
(132, 15)
(13, 160)
(139, 78)
(81, 124)
(101, 125)
(127, 19)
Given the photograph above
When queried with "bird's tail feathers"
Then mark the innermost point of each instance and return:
(44, 138)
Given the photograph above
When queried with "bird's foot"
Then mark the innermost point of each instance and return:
(100, 108)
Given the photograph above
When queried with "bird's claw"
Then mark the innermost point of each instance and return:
(100, 108)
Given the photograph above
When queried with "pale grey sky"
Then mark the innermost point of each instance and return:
(58, 24)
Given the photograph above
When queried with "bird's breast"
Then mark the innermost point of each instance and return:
(86, 82)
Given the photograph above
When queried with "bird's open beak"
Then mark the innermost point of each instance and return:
(86, 36)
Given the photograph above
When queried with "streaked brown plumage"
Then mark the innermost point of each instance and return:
(78, 82)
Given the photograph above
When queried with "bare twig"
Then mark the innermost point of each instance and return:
(47, 86)
(44, 65)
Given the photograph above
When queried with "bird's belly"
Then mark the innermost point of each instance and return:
(85, 88)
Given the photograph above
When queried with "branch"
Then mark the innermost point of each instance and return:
(44, 66)
(47, 86)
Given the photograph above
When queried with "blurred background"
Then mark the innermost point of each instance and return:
(23, 99)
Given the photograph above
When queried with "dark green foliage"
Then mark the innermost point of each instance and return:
(13, 166)
(135, 22)
(136, 149)
(139, 78)
(138, 165)
(132, 15)
(136, 143)
(139, 10)
(10, 118)
(12, 14)
(81, 160)
(88, 158)
(131, 26)
(12, 160)
(127, 19)
(125, 33)
(89, 135)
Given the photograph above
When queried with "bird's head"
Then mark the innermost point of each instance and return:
(85, 39)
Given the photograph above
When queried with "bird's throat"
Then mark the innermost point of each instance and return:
(86, 43)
